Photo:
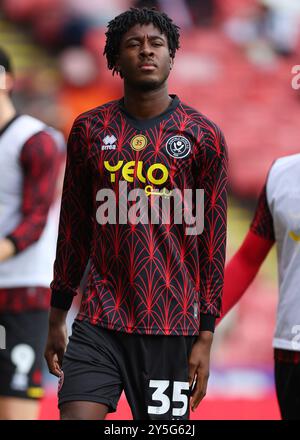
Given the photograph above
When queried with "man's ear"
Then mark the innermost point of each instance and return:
(171, 63)
(9, 82)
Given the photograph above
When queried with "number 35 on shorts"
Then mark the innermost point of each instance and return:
(179, 396)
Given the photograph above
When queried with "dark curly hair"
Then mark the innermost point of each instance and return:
(125, 21)
(5, 61)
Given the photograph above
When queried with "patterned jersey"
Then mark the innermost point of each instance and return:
(150, 272)
(40, 162)
(262, 223)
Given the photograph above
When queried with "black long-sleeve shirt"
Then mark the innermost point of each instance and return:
(144, 278)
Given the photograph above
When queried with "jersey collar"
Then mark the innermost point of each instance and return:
(142, 124)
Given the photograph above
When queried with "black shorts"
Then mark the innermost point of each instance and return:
(152, 370)
(21, 361)
(287, 380)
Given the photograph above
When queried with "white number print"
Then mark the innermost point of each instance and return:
(161, 386)
(296, 338)
(23, 357)
(296, 79)
(178, 397)
(158, 395)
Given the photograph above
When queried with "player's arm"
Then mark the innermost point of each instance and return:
(212, 248)
(245, 264)
(73, 244)
(39, 160)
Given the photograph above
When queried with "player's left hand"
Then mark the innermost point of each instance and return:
(199, 367)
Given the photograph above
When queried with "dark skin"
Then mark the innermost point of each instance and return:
(145, 63)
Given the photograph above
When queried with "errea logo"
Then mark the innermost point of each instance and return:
(109, 143)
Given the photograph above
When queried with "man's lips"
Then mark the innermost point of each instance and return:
(147, 66)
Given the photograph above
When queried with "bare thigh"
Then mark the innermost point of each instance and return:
(15, 408)
(82, 410)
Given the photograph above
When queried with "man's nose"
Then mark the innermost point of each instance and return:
(146, 50)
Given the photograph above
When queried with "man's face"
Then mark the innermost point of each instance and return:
(144, 59)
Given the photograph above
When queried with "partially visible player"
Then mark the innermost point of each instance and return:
(30, 158)
(277, 220)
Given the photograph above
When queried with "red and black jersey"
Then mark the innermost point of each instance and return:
(40, 161)
(262, 223)
(145, 277)
(23, 299)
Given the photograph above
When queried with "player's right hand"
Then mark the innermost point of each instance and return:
(56, 347)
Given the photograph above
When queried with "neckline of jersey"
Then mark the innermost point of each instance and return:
(8, 124)
(144, 124)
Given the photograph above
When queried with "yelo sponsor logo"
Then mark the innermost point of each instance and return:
(128, 171)
(138, 142)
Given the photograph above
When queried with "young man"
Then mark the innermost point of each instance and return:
(277, 219)
(147, 316)
(29, 164)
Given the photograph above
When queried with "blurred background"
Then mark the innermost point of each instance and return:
(235, 66)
